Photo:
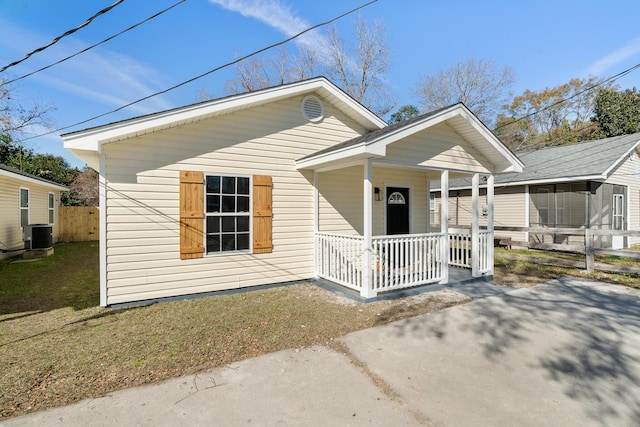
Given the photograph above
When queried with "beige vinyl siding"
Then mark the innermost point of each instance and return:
(439, 147)
(10, 230)
(341, 199)
(628, 174)
(142, 239)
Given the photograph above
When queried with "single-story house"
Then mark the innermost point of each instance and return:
(592, 184)
(25, 199)
(287, 183)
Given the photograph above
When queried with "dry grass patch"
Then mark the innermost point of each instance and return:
(61, 355)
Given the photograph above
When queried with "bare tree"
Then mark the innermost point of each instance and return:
(477, 83)
(304, 64)
(360, 70)
(15, 117)
(251, 75)
(84, 189)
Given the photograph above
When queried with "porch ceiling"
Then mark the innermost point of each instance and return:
(451, 138)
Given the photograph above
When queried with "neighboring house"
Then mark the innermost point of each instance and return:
(282, 184)
(593, 184)
(25, 199)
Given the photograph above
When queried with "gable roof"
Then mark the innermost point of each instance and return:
(458, 116)
(86, 143)
(29, 178)
(591, 160)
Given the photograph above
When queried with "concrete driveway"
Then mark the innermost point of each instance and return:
(566, 353)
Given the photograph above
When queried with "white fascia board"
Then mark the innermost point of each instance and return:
(517, 165)
(91, 139)
(30, 180)
(514, 163)
(538, 182)
(346, 155)
(621, 159)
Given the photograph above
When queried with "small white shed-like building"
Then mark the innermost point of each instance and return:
(288, 183)
(25, 199)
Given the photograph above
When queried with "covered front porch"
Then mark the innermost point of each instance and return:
(372, 207)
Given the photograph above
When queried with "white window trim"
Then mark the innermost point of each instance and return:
(219, 214)
(20, 208)
(51, 208)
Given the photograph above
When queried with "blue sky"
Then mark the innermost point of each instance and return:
(546, 43)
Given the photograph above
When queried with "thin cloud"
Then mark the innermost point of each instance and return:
(603, 65)
(100, 75)
(279, 16)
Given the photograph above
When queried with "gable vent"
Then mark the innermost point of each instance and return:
(312, 108)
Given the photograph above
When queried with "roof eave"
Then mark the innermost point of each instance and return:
(19, 177)
(91, 139)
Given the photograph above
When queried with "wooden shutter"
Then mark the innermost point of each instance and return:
(262, 214)
(191, 214)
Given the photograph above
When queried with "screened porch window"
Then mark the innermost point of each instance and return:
(227, 213)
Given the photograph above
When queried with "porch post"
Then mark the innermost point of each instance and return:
(316, 226)
(475, 226)
(367, 291)
(428, 185)
(444, 224)
(490, 220)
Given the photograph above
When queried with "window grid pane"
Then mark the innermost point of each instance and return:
(227, 214)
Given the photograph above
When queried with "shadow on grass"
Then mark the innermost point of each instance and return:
(578, 334)
(68, 278)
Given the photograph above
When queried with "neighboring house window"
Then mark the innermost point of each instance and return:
(227, 213)
(24, 207)
(560, 209)
(543, 206)
(52, 208)
(618, 211)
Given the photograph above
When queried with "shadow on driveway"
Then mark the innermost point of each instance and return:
(564, 353)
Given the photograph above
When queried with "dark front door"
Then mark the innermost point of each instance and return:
(397, 210)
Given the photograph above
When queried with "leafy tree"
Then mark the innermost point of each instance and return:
(404, 113)
(553, 116)
(617, 113)
(357, 67)
(14, 155)
(477, 83)
(53, 168)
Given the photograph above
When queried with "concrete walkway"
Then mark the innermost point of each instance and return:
(566, 353)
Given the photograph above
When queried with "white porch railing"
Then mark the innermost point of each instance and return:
(403, 261)
(460, 249)
(339, 259)
(399, 261)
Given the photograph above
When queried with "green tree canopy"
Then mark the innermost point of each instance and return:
(617, 112)
(404, 113)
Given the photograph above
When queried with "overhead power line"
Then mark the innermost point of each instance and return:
(610, 79)
(65, 34)
(228, 64)
(95, 45)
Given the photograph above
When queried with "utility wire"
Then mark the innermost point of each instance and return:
(57, 39)
(610, 79)
(95, 45)
(228, 64)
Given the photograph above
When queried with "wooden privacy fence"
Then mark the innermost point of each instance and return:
(589, 248)
(79, 223)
